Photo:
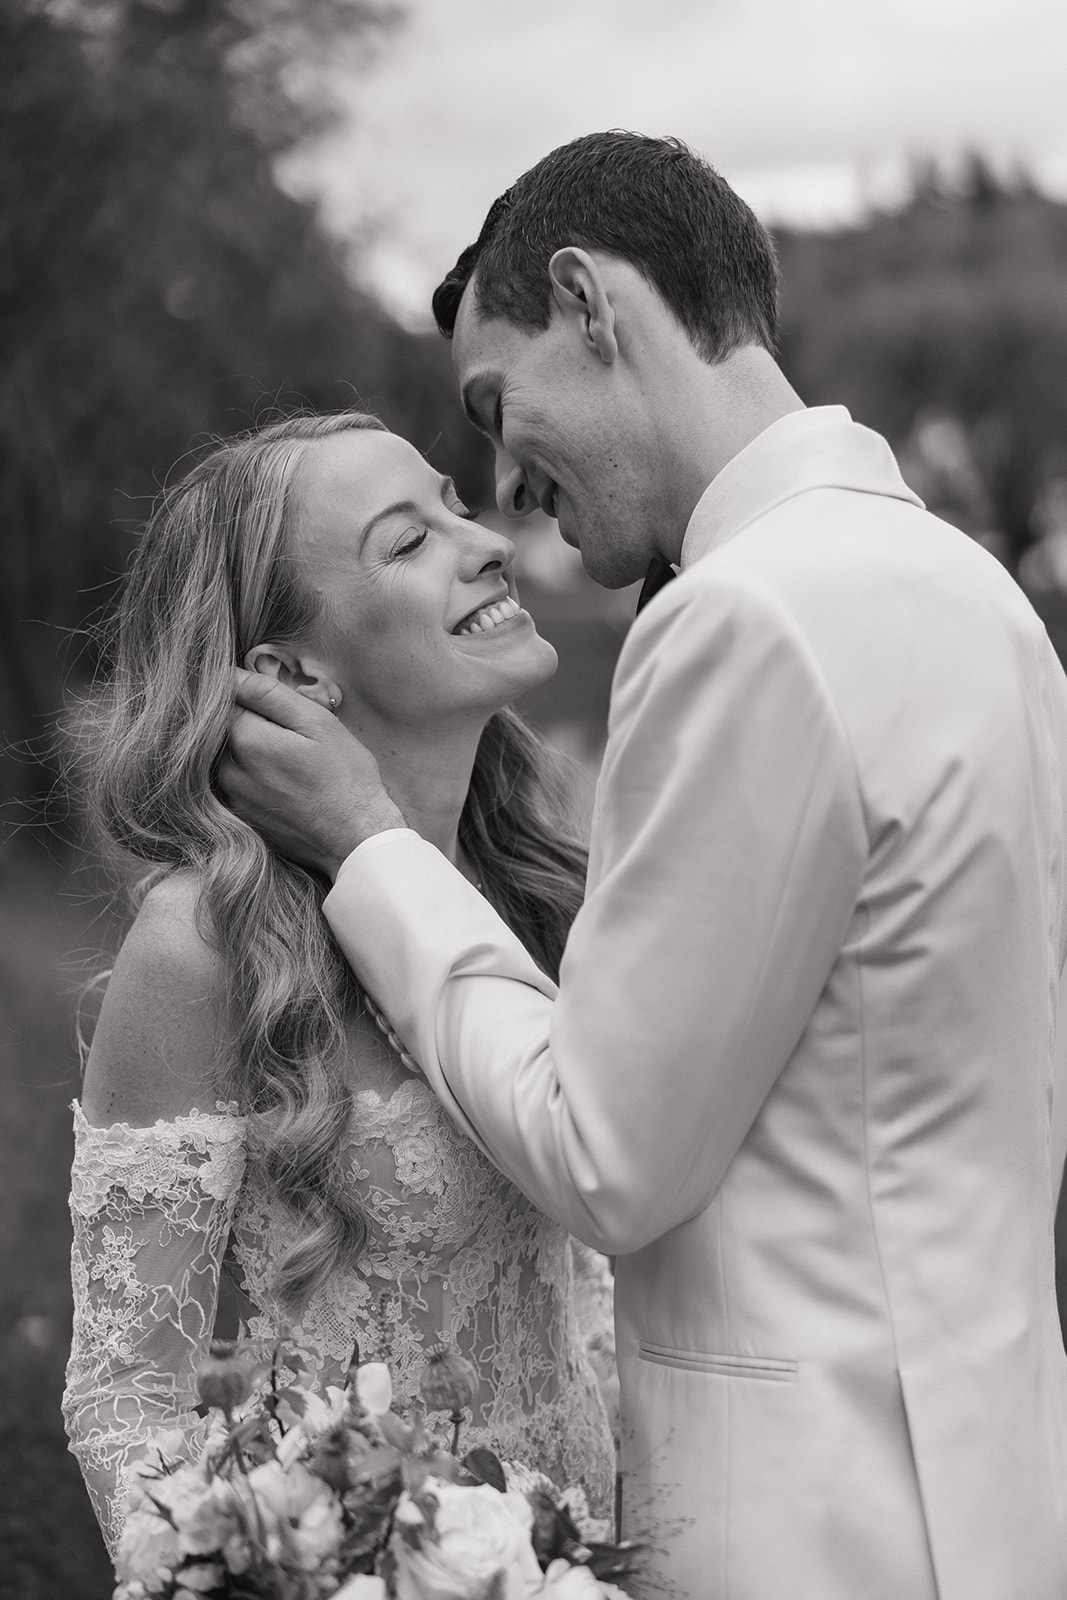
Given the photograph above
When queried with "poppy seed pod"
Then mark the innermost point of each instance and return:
(449, 1381)
(223, 1381)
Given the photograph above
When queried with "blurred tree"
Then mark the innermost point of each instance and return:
(156, 285)
(952, 309)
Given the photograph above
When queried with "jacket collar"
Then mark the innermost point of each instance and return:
(818, 448)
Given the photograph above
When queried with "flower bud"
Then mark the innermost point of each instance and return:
(223, 1381)
(449, 1381)
(329, 1460)
(374, 1387)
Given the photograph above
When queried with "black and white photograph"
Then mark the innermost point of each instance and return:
(533, 800)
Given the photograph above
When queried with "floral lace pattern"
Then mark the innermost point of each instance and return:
(455, 1254)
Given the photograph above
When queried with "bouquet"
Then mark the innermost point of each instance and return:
(299, 1496)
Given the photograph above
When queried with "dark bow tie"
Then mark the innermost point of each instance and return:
(659, 572)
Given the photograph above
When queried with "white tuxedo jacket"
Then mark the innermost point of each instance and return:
(798, 1072)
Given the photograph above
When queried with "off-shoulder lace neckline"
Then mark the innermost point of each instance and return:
(227, 1114)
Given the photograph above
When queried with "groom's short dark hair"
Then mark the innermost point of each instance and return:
(651, 202)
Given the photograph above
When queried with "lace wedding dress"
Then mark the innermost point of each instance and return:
(455, 1254)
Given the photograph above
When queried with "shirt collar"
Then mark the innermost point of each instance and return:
(817, 448)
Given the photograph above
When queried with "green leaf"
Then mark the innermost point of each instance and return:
(485, 1467)
(297, 1398)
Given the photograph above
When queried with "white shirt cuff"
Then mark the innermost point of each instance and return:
(369, 844)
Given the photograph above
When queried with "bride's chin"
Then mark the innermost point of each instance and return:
(506, 678)
(518, 684)
(545, 665)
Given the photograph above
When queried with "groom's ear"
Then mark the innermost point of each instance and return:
(281, 662)
(580, 292)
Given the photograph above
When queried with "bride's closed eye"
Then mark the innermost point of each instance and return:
(412, 539)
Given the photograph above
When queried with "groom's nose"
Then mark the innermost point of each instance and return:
(514, 496)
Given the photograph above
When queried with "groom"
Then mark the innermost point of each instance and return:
(797, 1076)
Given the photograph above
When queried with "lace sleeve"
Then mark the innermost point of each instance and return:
(151, 1209)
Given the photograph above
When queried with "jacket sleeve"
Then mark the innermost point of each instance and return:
(728, 854)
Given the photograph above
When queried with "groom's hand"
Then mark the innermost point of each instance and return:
(300, 778)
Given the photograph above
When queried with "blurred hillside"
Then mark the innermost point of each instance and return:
(944, 326)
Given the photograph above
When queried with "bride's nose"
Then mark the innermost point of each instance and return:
(487, 551)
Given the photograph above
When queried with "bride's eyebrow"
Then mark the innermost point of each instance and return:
(407, 508)
(399, 507)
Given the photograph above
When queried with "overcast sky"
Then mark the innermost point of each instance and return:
(811, 108)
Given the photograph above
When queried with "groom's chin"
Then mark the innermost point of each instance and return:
(609, 568)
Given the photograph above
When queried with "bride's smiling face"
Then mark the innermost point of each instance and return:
(419, 620)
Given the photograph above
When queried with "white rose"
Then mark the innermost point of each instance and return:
(209, 1520)
(480, 1547)
(148, 1548)
(200, 1580)
(362, 1587)
(318, 1534)
(563, 1581)
(237, 1553)
(187, 1495)
(285, 1494)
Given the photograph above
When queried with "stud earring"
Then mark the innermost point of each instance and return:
(334, 702)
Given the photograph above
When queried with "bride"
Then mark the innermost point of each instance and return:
(243, 1120)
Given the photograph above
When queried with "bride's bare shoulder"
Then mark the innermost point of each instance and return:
(162, 1023)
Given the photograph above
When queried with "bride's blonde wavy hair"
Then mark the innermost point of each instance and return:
(213, 575)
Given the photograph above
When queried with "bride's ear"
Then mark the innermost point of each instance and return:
(281, 662)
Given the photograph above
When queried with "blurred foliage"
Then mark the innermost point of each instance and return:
(944, 326)
(157, 286)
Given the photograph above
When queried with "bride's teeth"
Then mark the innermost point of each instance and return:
(488, 617)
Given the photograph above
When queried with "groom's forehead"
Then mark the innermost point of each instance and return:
(480, 356)
(484, 348)
(474, 336)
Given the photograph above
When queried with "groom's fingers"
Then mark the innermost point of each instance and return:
(255, 691)
(294, 772)
(269, 728)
